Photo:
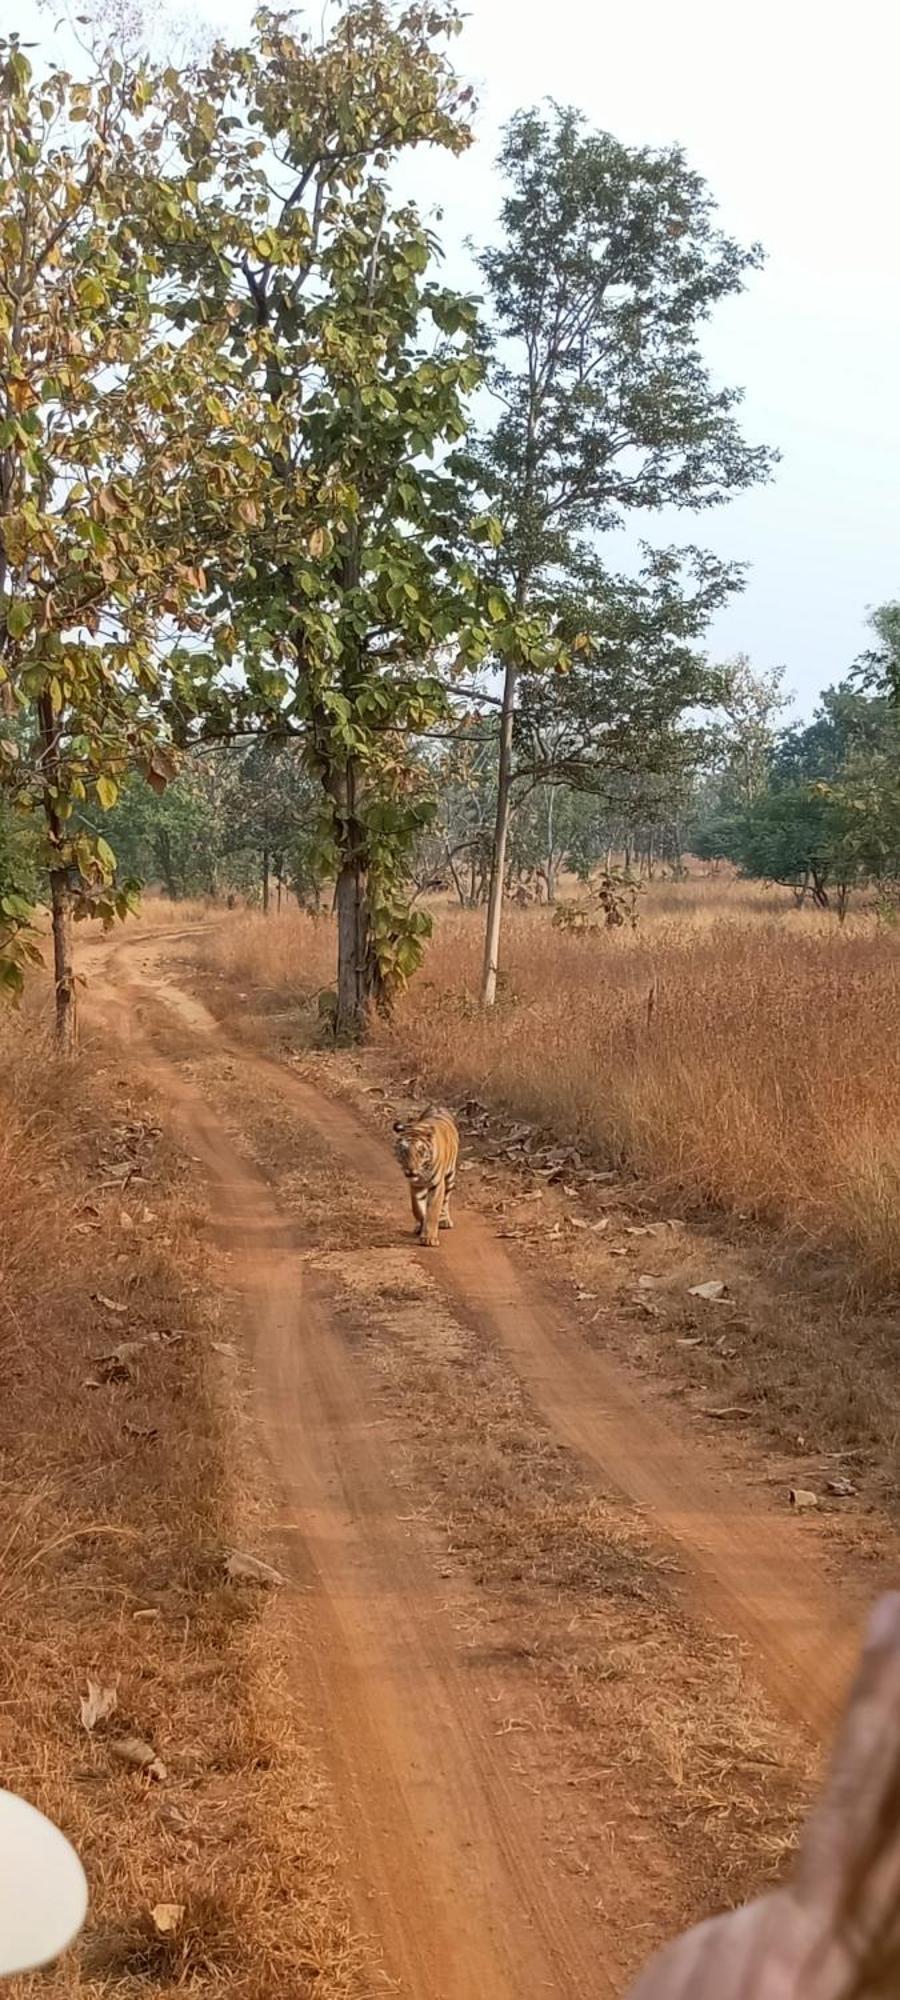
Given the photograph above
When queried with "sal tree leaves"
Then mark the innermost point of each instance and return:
(610, 263)
(104, 423)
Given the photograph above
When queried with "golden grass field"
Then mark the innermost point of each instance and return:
(734, 1051)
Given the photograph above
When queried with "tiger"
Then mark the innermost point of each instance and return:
(427, 1148)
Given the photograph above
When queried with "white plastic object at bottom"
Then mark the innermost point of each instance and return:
(43, 1892)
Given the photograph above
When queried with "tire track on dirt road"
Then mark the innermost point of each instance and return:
(755, 1574)
(445, 1850)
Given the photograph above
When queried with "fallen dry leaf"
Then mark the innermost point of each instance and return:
(801, 1499)
(167, 1917)
(249, 1569)
(842, 1489)
(140, 1754)
(714, 1288)
(97, 1704)
(109, 1305)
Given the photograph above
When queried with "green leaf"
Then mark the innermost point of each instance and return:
(18, 618)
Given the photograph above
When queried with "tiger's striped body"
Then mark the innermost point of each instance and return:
(427, 1149)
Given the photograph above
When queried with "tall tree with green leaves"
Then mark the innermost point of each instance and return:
(365, 585)
(609, 263)
(104, 426)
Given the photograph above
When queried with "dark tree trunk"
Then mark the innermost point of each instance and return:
(63, 962)
(60, 891)
(357, 983)
(265, 881)
(460, 891)
(163, 845)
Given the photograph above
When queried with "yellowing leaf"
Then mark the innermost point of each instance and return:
(107, 792)
(91, 293)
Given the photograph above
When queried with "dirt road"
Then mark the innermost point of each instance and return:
(456, 1876)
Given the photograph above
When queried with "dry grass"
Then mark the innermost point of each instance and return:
(735, 1052)
(747, 1065)
(285, 957)
(116, 1511)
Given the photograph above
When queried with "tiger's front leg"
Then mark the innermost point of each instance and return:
(446, 1217)
(418, 1207)
(434, 1208)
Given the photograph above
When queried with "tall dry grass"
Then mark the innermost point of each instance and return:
(752, 1065)
(285, 956)
(734, 1051)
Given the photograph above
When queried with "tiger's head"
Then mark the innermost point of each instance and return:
(413, 1146)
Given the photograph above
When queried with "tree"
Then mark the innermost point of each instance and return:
(847, 725)
(103, 424)
(791, 837)
(364, 584)
(609, 265)
(880, 666)
(751, 699)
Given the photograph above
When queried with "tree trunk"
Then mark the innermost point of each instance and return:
(163, 845)
(63, 963)
(501, 831)
(265, 881)
(60, 892)
(358, 984)
(356, 978)
(460, 891)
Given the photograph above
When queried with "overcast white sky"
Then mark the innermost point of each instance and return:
(791, 117)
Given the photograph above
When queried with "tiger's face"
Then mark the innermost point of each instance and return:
(414, 1150)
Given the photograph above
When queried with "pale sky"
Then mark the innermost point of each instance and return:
(791, 118)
